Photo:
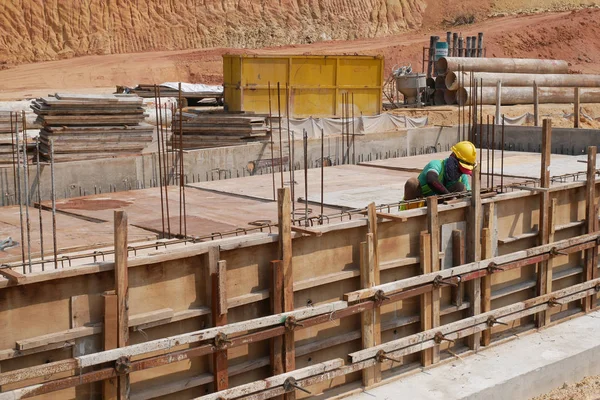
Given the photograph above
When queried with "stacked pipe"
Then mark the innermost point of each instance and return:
(457, 46)
(517, 79)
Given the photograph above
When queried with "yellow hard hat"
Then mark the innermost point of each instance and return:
(466, 154)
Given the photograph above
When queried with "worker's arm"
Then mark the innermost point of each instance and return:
(434, 183)
(465, 180)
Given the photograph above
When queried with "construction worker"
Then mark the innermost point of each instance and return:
(441, 177)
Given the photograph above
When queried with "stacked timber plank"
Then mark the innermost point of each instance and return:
(204, 130)
(147, 91)
(91, 126)
(6, 146)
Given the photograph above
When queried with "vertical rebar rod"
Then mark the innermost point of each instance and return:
(27, 199)
(19, 190)
(53, 195)
(39, 197)
(493, 146)
(173, 127)
(280, 132)
(271, 131)
(160, 178)
(287, 112)
(458, 135)
(342, 121)
(14, 146)
(464, 107)
(353, 132)
(480, 122)
(305, 139)
(165, 164)
(470, 118)
(487, 145)
(322, 168)
(502, 159)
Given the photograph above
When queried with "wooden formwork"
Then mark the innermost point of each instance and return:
(333, 306)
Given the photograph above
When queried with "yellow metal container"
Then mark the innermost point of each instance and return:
(316, 84)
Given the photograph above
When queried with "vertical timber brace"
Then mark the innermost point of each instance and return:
(122, 293)
(458, 258)
(110, 387)
(370, 319)
(277, 308)
(544, 276)
(218, 275)
(434, 232)
(474, 252)
(426, 303)
(284, 214)
(486, 283)
(591, 215)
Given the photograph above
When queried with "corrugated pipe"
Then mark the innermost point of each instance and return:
(506, 65)
(549, 80)
(524, 95)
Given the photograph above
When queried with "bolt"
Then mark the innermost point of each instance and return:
(380, 296)
(291, 323)
(439, 337)
(122, 365)
(290, 384)
(221, 340)
(493, 267)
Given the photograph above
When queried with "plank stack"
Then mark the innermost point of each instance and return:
(204, 130)
(6, 146)
(86, 127)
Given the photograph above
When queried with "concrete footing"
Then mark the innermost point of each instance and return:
(523, 368)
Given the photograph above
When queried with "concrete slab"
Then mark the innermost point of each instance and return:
(347, 186)
(523, 368)
(207, 212)
(516, 164)
(72, 234)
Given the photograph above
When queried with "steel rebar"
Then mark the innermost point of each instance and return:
(53, 195)
(322, 168)
(20, 197)
(502, 159)
(12, 139)
(280, 132)
(160, 178)
(493, 146)
(305, 139)
(487, 145)
(287, 112)
(26, 179)
(342, 122)
(181, 176)
(165, 164)
(39, 197)
(353, 132)
(271, 131)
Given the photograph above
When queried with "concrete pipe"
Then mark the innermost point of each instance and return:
(548, 80)
(438, 97)
(506, 65)
(450, 96)
(522, 95)
(430, 83)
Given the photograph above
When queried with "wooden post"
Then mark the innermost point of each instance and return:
(426, 303)
(576, 108)
(122, 292)
(474, 252)
(277, 308)
(591, 216)
(536, 105)
(434, 232)
(218, 276)
(370, 319)
(110, 386)
(372, 228)
(543, 317)
(458, 258)
(486, 283)
(284, 214)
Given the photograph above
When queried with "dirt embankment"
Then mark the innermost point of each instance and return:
(36, 30)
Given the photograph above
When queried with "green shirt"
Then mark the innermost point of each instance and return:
(438, 166)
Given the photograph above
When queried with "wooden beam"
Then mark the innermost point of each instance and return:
(434, 235)
(12, 275)
(458, 258)
(426, 298)
(591, 217)
(542, 319)
(576, 108)
(370, 319)
(110, 386)
(372, 228)
(122, 292)
(474, 252)
(284, 214)
(277, 308)
(486, 283)
(218, 271)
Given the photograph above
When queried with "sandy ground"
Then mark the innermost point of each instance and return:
(587, 389)
(563, 35)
